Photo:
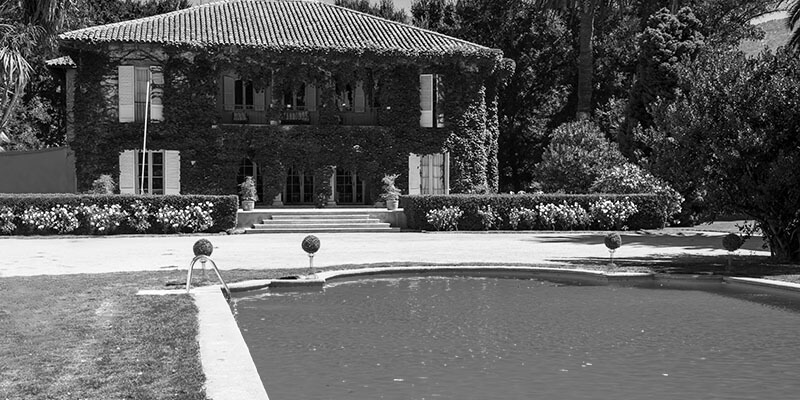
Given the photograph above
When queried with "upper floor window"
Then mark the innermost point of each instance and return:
(134, 84)
(241, 94)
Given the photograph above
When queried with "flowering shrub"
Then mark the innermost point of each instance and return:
(521, 218)
(199, 216)
(7, 225)
(59, 218)
(139, 216)
(105, 219)
(489, 217)
(192, 218)
(630, 178)
(609, 214)
(571, 216)
(445, 218)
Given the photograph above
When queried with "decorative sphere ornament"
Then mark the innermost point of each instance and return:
(732, 242)
(203, 247)
(613, 241)
(311, 244)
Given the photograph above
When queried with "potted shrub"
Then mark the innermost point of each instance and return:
(247, 191)
(391, 193)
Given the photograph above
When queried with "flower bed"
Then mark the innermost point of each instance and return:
(535, 212)
(53, 214)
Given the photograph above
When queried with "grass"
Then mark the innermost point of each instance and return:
(92, 337)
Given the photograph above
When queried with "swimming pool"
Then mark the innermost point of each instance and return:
(486, 338)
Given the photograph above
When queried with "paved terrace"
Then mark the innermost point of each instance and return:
(26, 256)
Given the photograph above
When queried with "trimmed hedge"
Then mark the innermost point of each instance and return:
(650, 214)
(223, 214)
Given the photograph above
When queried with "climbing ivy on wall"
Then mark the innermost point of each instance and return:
(211, 153)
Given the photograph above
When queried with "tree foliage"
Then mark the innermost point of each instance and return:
(667, 40)
(384, 9)
(730, 140)
(578, 154)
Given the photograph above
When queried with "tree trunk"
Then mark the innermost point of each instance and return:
(585, 60)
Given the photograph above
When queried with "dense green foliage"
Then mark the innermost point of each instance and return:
(577, 155)
(13, 210)
(730, 141)
(650, 210)
(384, 9)
(35, 118)
(668, 40)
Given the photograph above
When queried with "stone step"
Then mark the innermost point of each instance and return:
(363, 220)
(318, 216)
(303, 225)
(329, 229)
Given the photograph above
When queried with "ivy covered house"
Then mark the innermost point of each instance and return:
(315, 101)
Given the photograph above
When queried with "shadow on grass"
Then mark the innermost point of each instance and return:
(688, 240)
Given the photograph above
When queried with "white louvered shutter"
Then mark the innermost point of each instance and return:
(172, 172)
(439, 101)
(126, 93)
(359, 99)
(426, 100)
(311, 97)
(228, 92)
(127, 172)
(156, 93)
(414, 174)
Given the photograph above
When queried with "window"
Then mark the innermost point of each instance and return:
(133, 91)
(352, 98)
(431, 101)
(243, 94)
(299, 101)
(151, 172)
(152, 166)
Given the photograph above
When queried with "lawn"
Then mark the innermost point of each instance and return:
(92, 337)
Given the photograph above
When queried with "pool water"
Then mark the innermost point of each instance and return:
(474, 338)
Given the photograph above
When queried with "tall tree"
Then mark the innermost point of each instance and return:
(384, 9)
(730, 139)
(26, 25)
(668, 40)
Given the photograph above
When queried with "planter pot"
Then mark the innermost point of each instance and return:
(248, 205)
(391, 204)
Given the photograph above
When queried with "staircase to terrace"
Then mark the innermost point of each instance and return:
(324, 220)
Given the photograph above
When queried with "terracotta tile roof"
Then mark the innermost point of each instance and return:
(61, 62)
(279, 25)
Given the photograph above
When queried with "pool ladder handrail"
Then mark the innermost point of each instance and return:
(203, 260)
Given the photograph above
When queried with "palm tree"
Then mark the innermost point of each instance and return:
(585, 10)
(24, 26)
(791, 23)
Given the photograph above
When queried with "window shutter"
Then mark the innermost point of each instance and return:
(228, 92)
(127, 172)
(126, 94)
(414, 174)
(359, 99)
(311, 97)
(156, 93)
(439, 101)
(172, 172)
(426, 100)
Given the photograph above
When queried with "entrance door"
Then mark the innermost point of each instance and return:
(299, 187)
(349, 188)
(429, 174)
(249, 168)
